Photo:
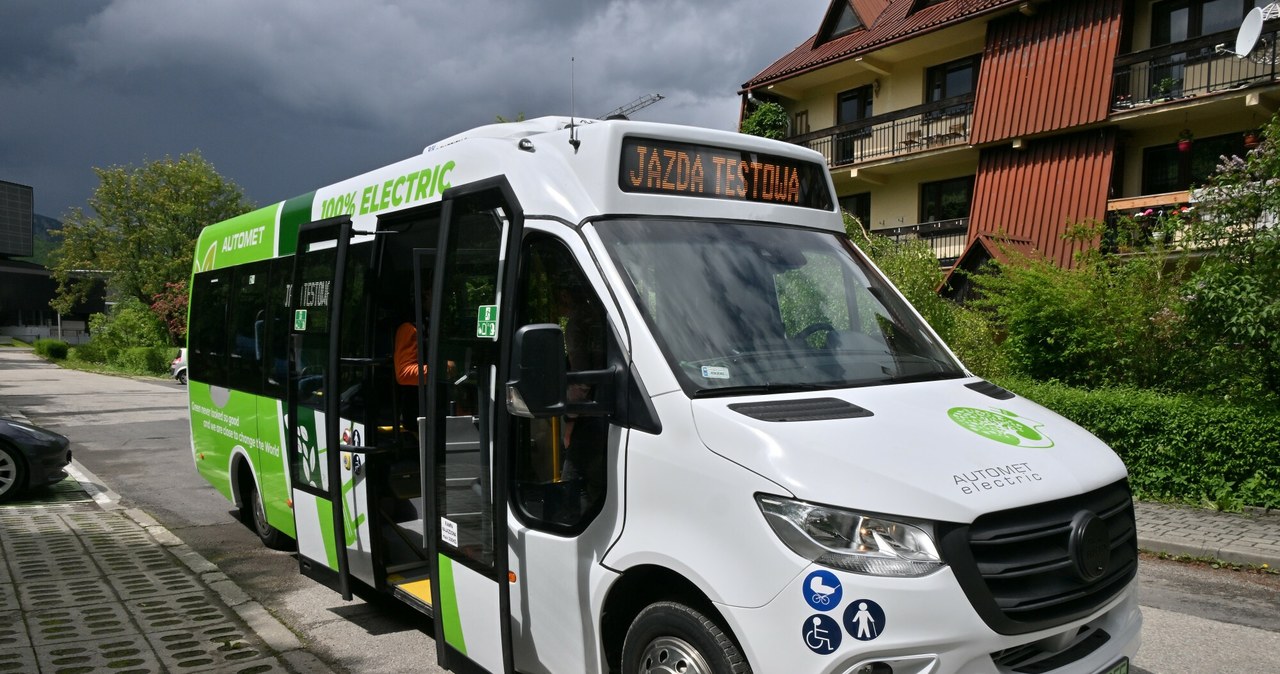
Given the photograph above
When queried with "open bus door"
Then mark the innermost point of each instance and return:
(315, 400)
(464, 428)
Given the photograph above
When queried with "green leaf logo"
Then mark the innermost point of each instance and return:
(1002, 426)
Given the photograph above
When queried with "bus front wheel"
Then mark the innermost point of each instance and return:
(271, 537)
(668, 637)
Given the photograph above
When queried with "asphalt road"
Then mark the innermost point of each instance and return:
(133, 435)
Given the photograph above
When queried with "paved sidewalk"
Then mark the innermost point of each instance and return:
(88, 586)
(1252, 538)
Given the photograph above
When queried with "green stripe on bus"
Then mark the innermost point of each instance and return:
(297, 211)
(324, 510)
(448, 613)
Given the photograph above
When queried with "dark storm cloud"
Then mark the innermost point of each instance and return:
(289, 95)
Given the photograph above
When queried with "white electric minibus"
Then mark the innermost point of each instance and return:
(622, 396)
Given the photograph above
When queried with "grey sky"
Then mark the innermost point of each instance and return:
(289, 95)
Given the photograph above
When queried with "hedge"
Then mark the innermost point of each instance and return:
(151, 359)
(1212, 452)
(53, 349)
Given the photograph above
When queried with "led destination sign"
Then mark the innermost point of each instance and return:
(665, 167)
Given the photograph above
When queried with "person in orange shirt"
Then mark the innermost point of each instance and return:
(406, 355)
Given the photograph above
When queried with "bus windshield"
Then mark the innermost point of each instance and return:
(743, 308)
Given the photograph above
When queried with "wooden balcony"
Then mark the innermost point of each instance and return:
(902, 132)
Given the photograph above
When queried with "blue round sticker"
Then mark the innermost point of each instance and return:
(821, 634)
(864, 619)
(822, 590)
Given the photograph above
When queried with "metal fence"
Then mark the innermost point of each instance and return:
(1190, 68)
(947, 238)
(923, 127)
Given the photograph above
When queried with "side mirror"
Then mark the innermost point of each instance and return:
(537, 388)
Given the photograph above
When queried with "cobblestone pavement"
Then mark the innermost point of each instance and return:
(1251, 538)
(86, 588)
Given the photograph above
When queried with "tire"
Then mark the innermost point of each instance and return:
(182, 377)
(13, 473)
(270, 536)
(668, 637)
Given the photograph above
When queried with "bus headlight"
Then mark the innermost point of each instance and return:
(850, 541)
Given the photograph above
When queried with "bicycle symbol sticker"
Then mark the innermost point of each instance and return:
(822, 590)
(821, 634)
(864, 619)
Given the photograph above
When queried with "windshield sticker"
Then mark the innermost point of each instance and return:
(487, 321)
(995, 477)
(715, 372)
(1001, 426)
(864, 619)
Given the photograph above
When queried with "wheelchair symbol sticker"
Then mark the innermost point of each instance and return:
(821, 634)
(864, 619)
(822, 590)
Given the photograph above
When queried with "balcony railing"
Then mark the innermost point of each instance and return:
(1190, 68)
(924, 127)
(947, 238)
(1137, 222)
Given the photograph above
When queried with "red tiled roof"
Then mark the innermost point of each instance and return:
(894, 22)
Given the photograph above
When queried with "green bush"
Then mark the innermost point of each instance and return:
(144, 359)
(88, 353)
(1211, 452)
(53, 349)
(129, 324)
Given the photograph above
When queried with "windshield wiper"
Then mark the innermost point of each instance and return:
(760, 389)
(921, 376)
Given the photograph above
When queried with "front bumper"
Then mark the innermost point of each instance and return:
(48, 462)
(916, 626)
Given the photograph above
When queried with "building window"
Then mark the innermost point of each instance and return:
(952, 79)
(1166, 169)
(846, 22)
(801, 123)
(859, 206)
(853, 105)
(946, 199)
(1179, 20)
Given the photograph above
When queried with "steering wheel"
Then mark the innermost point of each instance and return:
(812, 328)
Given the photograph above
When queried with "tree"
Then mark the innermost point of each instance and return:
(1233, 299)
(141, 230)
(768, 120)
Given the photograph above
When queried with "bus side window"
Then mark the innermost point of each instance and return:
(560, 467)
(207, 335)
(276, 328)
(247, 320)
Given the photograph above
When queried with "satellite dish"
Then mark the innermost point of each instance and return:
(1250, 31)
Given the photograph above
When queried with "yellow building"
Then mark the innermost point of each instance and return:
(960, 121)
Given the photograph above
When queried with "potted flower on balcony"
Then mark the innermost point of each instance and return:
(1163, 89)
(1184, 140)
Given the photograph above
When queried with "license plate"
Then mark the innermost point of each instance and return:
(1121, 667)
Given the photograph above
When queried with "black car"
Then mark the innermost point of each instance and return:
(30, 457)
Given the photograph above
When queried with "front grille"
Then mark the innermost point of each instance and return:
(1017, 568)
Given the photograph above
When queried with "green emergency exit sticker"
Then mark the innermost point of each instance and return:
(300, 319)
(487, 321)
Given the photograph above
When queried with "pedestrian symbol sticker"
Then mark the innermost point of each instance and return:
(821, 634)
(864, 619)
(487, 321)
(300, 320)
(822, 590)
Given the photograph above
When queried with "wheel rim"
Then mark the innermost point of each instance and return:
(669, 655)
(8, 472)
